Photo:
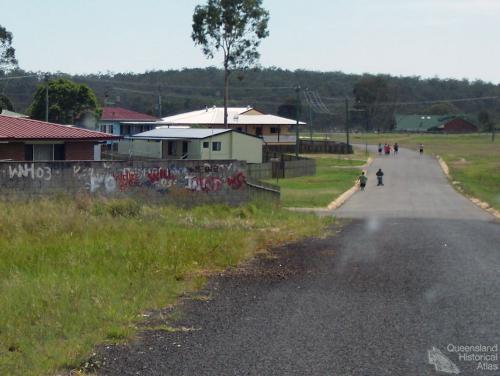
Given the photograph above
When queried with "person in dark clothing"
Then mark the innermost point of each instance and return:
(396, 148)
(380, 177)
(421, 148)
(362, 181)
(380, 148)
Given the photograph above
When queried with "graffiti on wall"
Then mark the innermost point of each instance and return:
(28, 170)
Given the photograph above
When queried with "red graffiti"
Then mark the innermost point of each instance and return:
(208, 184)
(237, 181)
(161, 174)
(127, 179)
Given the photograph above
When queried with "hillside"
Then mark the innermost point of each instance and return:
(267, 89)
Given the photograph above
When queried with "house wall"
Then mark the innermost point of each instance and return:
(226, 147)
(12, 150)
(79, 151)
(459, 125)
(246, 148)
(266, 129)
(140, 148)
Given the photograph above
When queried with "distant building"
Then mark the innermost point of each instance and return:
(13, 114)
(193, 143)
(23, 139)
(271, 128)
(122, 122)
(434, 123)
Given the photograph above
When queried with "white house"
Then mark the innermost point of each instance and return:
(166, 142)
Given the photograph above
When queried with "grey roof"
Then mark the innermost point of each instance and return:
(183, 133)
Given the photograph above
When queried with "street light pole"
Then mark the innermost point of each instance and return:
(46, 97)
(347, 122)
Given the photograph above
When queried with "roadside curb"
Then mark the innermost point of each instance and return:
(482, 204)
(339, 201)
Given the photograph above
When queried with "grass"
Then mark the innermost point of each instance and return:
(474, 161)
(334, 175)
(76, 273)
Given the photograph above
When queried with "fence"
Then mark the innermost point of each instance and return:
(308, 147)
(176, 181)
(284, 166)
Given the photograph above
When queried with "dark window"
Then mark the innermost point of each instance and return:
(206, 144)
(184, 147)
(28, 152)
(258, 131)
(239, 129)
(275, 130)
(216, 146)
(59, 152)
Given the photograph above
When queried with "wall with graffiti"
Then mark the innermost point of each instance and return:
(223, 181)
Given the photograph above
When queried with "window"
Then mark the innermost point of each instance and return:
(205, 144)
(216, 146)
(258, 131)
(239, 129)
(44, 152)
(275, 130)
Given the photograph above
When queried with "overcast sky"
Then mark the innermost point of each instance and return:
(444, 38)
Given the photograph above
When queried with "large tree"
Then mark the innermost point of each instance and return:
(234, 27)
(7, 52)
(370, 93)
(67, 101)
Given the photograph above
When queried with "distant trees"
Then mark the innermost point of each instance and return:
(370, 93)
(5, 103)
(487, 124)
(67, 101)
(234, 27)
(7, 52)
(441, 109)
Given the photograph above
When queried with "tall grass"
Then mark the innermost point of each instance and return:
(76, 273)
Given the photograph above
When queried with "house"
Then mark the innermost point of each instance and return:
(23, 139)
(122, 122)
(193, 143)
(13, 114)
(271, 128)
(434, 123)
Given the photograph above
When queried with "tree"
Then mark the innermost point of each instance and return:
(485, 120)
(7, 52)
(67, 101)
(5, 103)
(234, 27)
(369, 91)
(441, 109)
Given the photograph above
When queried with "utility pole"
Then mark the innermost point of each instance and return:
(297, 114)
(46, 97)
(159, 102)
(310, 123)
(347, 121)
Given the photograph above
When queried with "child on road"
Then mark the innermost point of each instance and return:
(421, 149)
(380, 177)
(362, 181)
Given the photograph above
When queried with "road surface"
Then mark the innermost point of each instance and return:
(412, 276)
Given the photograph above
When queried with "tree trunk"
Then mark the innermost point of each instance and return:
(226, 93)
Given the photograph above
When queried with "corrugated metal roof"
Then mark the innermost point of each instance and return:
(184, 133)
(12, 128)
(236, 116)
(119, 113)
(13, 114)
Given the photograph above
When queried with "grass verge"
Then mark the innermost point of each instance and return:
(75, 273)
(334, 175)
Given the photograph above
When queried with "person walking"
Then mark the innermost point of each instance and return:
(380, 149)
(421, 149)
(396, 148)
(380, 177)
(387, 149)
(362, 181)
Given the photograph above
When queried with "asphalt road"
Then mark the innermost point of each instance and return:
(415, 272)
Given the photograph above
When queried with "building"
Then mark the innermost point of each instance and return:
(23, 139)
(122, 122)
(434, 123)
(13, 114)
(193, 143)
(271, 128)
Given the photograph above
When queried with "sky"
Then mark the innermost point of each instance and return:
(427, 38)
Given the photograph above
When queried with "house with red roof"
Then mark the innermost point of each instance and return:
(122, 122)
(24, 139)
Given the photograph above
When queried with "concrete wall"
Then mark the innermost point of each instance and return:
(178, 181)
(287, 166)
